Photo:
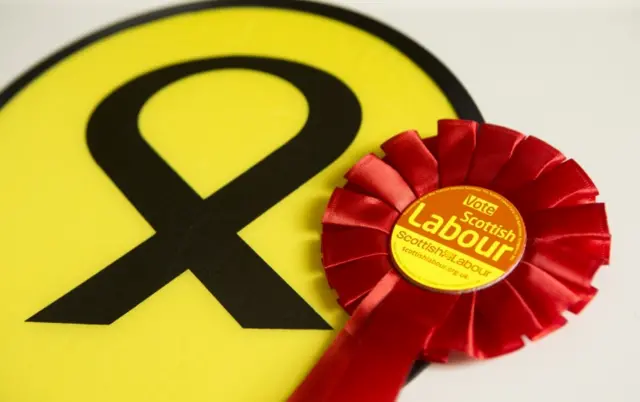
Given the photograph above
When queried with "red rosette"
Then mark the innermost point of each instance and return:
(394, 322)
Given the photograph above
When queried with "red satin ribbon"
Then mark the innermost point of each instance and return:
(394, 322)
(389, 321)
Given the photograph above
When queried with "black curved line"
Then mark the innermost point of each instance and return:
(202, 234)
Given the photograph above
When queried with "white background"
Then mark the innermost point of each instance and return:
(566, 71)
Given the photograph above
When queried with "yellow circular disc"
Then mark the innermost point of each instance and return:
(458, 239)
(163, 183)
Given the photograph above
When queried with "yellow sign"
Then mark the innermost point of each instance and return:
(163, 183)
(458, 239)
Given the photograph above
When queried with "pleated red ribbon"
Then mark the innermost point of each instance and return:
(394, 322)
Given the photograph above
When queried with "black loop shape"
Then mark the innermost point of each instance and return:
(201, 235)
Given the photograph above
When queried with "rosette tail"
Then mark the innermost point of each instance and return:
(378, 346)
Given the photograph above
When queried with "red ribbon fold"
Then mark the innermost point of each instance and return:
(349, 371)
(394, 322)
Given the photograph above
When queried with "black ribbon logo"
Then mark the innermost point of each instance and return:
(201, 234)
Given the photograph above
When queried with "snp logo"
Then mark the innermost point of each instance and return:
(202, 234)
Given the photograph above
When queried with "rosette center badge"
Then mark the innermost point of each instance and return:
(458, 239)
